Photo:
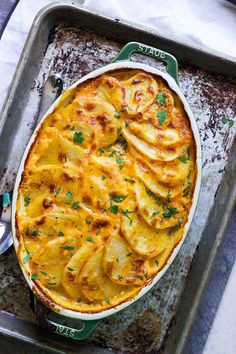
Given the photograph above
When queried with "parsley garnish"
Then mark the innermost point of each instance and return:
(58, 191)
(35, 233)
(180, 220)
(124, 110)
(187, 190)
(90, 239)
(157, 263)
(129, 254)
(113, 209)
(151, 194)
(120, 277)
(161, 115)
(117, 115)
(103, 177)
(107, 300)
(44, 273)
(126, 124)
(171, 211)
(76, 205)
(161, 98)
(78, 138)
(155, 213)
(118, 130)
(119, 160)
(118, 198)
(129, 180)
(60, 233)
(112, 153)
(126, 213)
(68, 248)
(230, 122)
(34, 276)
(27, 257)
(69, 195)
(27, 200)
(183, 159)
(51, 283)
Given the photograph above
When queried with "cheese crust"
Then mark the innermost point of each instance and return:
(106, 190)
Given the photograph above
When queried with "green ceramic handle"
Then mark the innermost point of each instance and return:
(135, 47)
(78, 334)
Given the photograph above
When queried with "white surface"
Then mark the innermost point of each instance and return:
(222, 336)
(210, 23)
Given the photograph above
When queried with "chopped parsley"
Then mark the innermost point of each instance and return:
(113, 209)
(118, 130)
(157, 263)
(187, 190)
(60, 233)
(117, 115)
(230, 122)
(126, 124)
(161, 115)
(34, 276)
(27, 200)
(161, 98)
(68, 248)
(119, 160)
(126, 213)
(27, 257)
(124, 110)
(69, 195)
(139, 277)
(112, 153)
(120, 277)
(170, 211)
(118, 198)
(151, 194)
(103, 177)
(129, 180)
(90, 239)
(183, 159)
(180, 220)
(78, 138)
(129, 254)
(58, 191)
(76, 205)
(44, 273)
(35, 233)
(155, 213)
(52, 283)
(107, 300)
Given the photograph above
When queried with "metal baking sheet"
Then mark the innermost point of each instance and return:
(73, 41)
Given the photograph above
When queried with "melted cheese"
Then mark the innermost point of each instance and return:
(106, 190)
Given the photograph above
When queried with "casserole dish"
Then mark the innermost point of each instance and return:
(91, 317)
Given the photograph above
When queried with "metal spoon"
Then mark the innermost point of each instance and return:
(50, 92)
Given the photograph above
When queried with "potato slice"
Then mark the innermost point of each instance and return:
(155, 212)
(144, 239)
(73, 268)
(140, 92)
(95, 285)
(50, 262)
(121, 264)
(151, 182)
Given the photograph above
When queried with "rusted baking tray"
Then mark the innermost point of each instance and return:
(73, 41)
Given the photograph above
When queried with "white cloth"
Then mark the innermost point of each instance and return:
(209, 23)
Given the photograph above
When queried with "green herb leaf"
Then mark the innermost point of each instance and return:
(90, 239)
(113, 209)
(117, 115)
(155, 213)
(69, 195)
(126, 213)
(34, 276)
(180, 220)
(35, 233)
(103, 177)
(107, 300)
(161, 98)
(60, 233)
(139, 277)
(129, 254)
(157, 263)
(58, 191)
(171, 211)
(78, 138)
(124, 110)
(27, 257)
(129, 180)
(120, 277)
(68, 248)
(117, 198)
(52, 283)
(230, 122)
(126, 124)
(70, 269)
(112, 153)
(187, 190)
(76, 205)
(118, 130)
(161, 115)
(44, 273)
(27, 200)
(151, 194)
(119, 160)
(183, 159)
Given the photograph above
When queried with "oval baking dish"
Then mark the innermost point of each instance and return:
(114, 170)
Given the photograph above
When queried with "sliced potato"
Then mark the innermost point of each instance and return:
(140, 92)
(155, 212)
(121, 264)
(143, 238)
(95, 285)
(73, 268)
(50, 262)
